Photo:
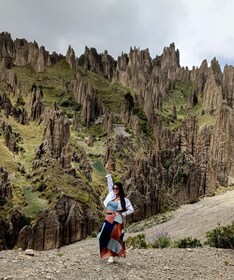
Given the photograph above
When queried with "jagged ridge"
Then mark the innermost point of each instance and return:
(57, 113)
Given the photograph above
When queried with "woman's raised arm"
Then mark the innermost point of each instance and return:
(109, 177)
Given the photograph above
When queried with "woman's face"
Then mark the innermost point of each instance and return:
(116, 189)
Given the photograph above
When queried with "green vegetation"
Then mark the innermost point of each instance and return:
(163, 240)
(179, 98)
(50, 79)
(112, 94)
(221, 237)
(99, 167)
(137, 241)
(34, 203)
(187, 242)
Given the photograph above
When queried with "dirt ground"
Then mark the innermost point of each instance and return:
(81, 260)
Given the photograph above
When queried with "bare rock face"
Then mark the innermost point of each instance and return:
(43, 60)
(212, 93)
(4, 227)
(175, 173)
(107, 123)
(167, 179)
(17, 111)
(221, 147)
(149, 77)
(66, 156)
(10, 228)
(170, 57)
(6, 49)
(68, 222)
(20, 53)
(134, 70)
(35, 103)
(71, 57)
(188, 135)
(102, 64)
(12, 139)
(200, 76)
(5, 185)
(144, 197)
(5, 104)
(167, 139)
(85, 95)
(228, 87)
(56, 133)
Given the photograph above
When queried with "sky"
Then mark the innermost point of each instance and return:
(200, 29)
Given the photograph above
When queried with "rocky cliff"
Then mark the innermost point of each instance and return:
(20, 52)
(166, 130)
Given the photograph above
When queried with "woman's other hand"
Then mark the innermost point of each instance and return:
(119, 212)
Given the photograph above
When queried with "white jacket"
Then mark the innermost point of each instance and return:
(111, 196)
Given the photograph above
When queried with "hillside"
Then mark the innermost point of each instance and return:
(190, 220)
(167, 132)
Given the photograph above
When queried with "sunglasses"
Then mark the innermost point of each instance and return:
(115, 188)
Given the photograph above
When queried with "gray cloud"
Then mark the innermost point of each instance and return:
(200, 29)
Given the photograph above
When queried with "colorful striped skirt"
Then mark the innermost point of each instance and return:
(111, 237)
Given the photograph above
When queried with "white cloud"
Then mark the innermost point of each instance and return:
(200, 29)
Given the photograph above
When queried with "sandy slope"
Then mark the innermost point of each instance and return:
(196, 219)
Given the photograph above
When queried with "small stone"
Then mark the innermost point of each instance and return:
(29, 252)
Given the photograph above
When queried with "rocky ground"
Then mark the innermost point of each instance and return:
(81, 260)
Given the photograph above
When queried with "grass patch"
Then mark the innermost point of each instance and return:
(58, 182)
(137, 242)
(32, 136)
(7, 159)
(112, 94)
(97, 164)
(35, 204)
(206, 120)
(178, 97)
(50, 79)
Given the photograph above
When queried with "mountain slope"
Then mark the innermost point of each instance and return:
(167, 132)
(192, 219)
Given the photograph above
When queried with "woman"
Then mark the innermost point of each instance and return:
(111, 234)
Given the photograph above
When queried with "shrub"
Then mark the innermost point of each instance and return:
(187, 242)
(163, 240)
(2, 201)
(221, 237)
(137, 241)
(94, 234)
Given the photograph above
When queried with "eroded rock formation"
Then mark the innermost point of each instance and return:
(68, 222)
(5, 186)
(20, 53)
(85, 94)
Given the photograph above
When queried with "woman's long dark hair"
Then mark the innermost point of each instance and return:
(121, 194)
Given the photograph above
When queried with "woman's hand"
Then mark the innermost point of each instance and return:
(107, 167)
